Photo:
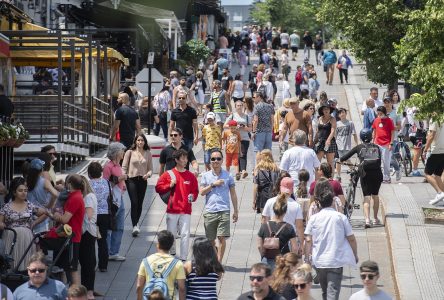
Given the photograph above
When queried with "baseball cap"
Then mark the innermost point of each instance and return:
(287, 185)
(387, 99)
(37, 164)
(232, 123)
(369, 266)
(211, 115)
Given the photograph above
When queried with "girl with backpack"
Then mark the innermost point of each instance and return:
(265, 174)
(369, 155)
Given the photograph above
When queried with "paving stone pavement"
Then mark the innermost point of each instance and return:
(241, 252)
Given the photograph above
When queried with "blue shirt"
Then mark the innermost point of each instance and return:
(50, 290)
(369, 117)
(218, 199)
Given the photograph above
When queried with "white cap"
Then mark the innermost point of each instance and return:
(211, 115)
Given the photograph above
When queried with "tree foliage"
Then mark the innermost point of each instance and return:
(419, 56)
(193, 51)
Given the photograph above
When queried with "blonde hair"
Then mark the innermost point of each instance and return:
(286, 103)
(304, 272)
(283, 271)
(87, 189)
(261, 67)
(266, 161)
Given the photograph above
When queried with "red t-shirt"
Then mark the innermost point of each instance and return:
(336, 186)
(383, 130)
(76, 206)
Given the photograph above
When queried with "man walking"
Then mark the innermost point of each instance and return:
(126, 121)
(435, 163)
(263, 117)
(218, 100)
(185, 118)
(184, 189)
(297, 118)
(166, 161)
(218, 187)
(374, 96)
(370, 275)
(330, 239)
(295, 40)
(308, 41)
(158, 263)
(260, 280)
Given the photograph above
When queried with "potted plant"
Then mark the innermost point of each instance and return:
(4, 135)
(22, 135)
(12, 135)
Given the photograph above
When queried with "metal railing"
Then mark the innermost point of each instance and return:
(101, 118)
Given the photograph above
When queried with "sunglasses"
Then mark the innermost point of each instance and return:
(258, 278)
(174, 134)
(369, 276)
(216, 158)
(299, 286)
(37, 270)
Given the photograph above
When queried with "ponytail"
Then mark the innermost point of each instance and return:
(280, 206)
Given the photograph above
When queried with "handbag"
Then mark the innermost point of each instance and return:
(339, 66)
(112, 209)
(272, 243)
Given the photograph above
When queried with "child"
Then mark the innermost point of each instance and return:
(303, 177)
(313, 86)
(344, 131)
(212, 135)
(284, 146)
(298, 80)
(231, 139)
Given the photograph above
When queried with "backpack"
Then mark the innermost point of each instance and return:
(166, 196)
(298, 78)
(272, 244)
(157, 282)
(370, 156)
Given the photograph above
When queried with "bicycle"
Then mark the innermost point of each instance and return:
(350, 191)
(403, 155)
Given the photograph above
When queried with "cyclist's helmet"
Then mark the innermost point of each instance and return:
(366, 135)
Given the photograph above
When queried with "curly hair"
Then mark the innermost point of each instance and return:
(282, 274)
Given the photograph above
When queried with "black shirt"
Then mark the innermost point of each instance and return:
(166, 157)
(225, 82)
(184, 120)
(286, 234)
(308, 40)
(6, 106)
(127, 128)
(145, 118)
(271, 296)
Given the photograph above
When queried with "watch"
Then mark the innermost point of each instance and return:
(212, 185)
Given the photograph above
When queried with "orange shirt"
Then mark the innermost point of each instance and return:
(232, 140)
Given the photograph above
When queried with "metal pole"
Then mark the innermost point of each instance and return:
(59, 90)
(149, 99)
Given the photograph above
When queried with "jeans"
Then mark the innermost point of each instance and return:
(87, 259)
(243, 155)
(189, 143)
(330, 281)
(115, 237)
(385, 160)
(345, 73)
(269, 261)
(307, 52)
(163, 123)
(136, 187)
(318, 58)
(102, 245)
(181, 222)
(395, 153)
(262, 141)
(298, 89)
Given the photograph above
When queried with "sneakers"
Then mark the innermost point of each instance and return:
(116, 257)
(387, 181)
(398, 175)
(416, 173)
(376, 222)
(136, 231)
(238, 176)
(244, 174)
(439, 197)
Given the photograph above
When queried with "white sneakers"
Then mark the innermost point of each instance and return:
(398, 175)
(116, 257)
(136, 231)
(438, 197)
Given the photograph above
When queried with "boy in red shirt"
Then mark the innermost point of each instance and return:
(383, 134)
(184, 190)
(232, 141)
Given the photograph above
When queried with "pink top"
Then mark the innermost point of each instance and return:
(111, 168)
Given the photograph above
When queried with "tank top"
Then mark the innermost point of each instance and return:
(238, 91)
(324, 130)
(201, 287)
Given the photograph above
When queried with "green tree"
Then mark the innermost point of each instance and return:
(419, 57)
(370, 28)
(259, 13)
(193, 51)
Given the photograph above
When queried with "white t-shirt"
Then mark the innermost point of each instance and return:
(284, 38)
(294, 211)
(300, 157)
(329, 230)
(378, 102)
(437, 146)
(90, 224)
(362, 295)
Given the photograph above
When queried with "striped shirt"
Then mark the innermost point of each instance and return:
(215, 96)
(201, 287)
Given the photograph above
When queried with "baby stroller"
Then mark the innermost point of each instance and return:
(14, 278)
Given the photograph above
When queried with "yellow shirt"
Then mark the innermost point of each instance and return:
(159, 262)
(212, 135)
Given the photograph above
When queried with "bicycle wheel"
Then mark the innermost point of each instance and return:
(350, 193)
(406, 159)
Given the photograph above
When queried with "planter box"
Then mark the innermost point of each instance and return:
(433, 215)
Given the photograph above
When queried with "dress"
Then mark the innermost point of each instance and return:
(21, 223)
(323, 133)
(201, 287)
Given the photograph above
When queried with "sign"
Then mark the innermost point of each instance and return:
(142, 81)
(150, 58)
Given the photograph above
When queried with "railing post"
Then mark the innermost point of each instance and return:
(59, 90)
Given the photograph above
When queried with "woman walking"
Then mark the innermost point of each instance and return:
(265, 175)
(87, 249)
(325, 137)
(282, 282)
(282, 90)
(199, 87)
(138, 166)
(203, 271)
(238, 89)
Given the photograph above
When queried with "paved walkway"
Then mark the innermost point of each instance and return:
(241, 252)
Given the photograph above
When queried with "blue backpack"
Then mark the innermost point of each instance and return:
(157, 282)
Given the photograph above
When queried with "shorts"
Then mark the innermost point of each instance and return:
(217, 224)
(332, 149)
(435, 164)
(294, 49)
(262, 140)
(221, 117)
(231, 159)
(418, 139)
(284, 46)
(371, 183)
(207, 155)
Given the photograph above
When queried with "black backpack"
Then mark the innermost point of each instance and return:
(370, 156)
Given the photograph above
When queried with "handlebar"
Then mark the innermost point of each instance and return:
(347, 164)
(14, 239)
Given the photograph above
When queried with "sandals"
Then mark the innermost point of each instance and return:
(376, 222)
(367, 224)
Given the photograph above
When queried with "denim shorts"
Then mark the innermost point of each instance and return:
(262, 140)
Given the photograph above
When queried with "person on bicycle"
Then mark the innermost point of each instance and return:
(370, 173)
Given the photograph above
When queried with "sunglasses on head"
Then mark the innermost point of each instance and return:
(37, 270)
(369, 276)
(299, 286)
(174, 134)
(216, 158)
(258, 278)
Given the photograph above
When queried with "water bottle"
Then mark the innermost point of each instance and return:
(190, 198)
